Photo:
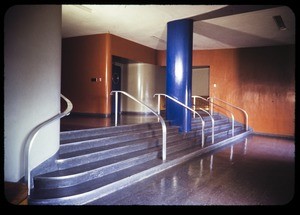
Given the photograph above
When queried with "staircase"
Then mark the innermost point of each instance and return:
(93, 163)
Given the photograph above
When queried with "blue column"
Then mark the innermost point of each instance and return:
(179, 71)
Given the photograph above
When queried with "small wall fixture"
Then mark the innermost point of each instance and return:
(96, 79)
(279, 22)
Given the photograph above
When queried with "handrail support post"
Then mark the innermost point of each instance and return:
(211, 106)
(158, 106)
(163, 124)
(116, 109)
(236, 107)
(212, 119)
(194, 105)
(183, 105)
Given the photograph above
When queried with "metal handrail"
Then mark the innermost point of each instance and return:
(183, 105)
(162, 121)
(32, 135)
(236, 107)
(212, 119)
(232, 116)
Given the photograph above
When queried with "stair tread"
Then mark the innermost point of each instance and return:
(95, 183)
(104, 180)
(133, 143)
(218, 139)
(77, 141)
(80, 158)
(157, 132)
(106, 159)
(112, 160)
(219, 130)
(209, 123)
(111, 140)
(98, 164)
(106, 134)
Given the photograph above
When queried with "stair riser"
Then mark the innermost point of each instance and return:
(206, 118)
(217, 128)
(108, 164)
(119, 184)
(130, 130)
(71, 180)
(209, 124)
(223, 137)
(224, 134)
(111, 140)
(100, 155)
(180, 146)
(219, 135)
(64, 181)
(137, 145)
(73, 135)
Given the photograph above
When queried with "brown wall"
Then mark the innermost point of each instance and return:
(84, 58)
(259, 80)
(87, 57)
(130, 50)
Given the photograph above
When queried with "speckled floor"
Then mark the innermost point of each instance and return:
(259, 170)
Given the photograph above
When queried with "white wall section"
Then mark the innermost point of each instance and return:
(32, 59)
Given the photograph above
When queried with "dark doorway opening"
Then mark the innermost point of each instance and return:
(116, 85)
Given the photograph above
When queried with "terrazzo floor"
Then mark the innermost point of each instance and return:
(259, 170)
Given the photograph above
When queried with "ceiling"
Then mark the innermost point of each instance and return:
(215, 26)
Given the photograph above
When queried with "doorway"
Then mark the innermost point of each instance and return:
(200, 85)
(116, 85)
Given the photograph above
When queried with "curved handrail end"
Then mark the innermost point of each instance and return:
(32, 135)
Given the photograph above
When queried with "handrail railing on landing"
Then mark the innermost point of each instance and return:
(232, 116)
(234, 106)
(162, 121)
(183, 105)
(32, 135)
(212, 119)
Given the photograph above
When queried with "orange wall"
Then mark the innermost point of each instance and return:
(130, 50)
(87, 57)
(259, 80)
(84, 58)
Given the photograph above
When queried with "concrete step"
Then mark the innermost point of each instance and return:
(92, 190)
(93, 163)
(112, 139)
(94, 133)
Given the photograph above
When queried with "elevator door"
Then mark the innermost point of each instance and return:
(116, 85)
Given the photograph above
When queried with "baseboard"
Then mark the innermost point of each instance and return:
(90, 114)
(275, 135)
(137, 113)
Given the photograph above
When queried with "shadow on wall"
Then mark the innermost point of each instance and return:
(266, 79)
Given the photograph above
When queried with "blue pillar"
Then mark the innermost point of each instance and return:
(179, 71)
